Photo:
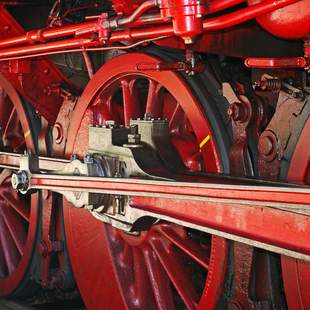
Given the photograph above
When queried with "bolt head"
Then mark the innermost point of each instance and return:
(268, 145)
(58, 133)
(74, 157)
(88, 159)
(237, 112)
(265, 146)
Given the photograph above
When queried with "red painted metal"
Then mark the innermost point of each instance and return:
(235, 219)
(230, 195)
(186, 15)
(296, 273)
(152, 259)
(292, 22)
(47, 103)
(220, 5)
(42, 35)
(19, 218)
(216, 23)
(274, 63)
(108, 249)
(124, 7)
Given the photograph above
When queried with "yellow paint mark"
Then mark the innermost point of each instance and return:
(204, 141)
(27, 133)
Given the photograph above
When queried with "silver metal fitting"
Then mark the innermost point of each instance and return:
(20, 181)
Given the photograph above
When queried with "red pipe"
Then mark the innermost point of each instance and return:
(209, 24)
(149, 19)
(48, 47)
(245, 14)
(137, 13)
(215, 23)
(42, 35)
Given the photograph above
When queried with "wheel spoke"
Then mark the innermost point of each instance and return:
(9, 250)
(4, 176)
(19, 144)
(5, 109)
(16, 205)
(154, 99)
(176, 119)
(130, 100)
(190, 248)
(12, 135)
(158, 279)
(141, 287)
(10, 125)
(175, 272)
(102, 110)
(14, 227)
(126, 256)
(3, 270)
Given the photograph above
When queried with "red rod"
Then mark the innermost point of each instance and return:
(215, 23)
(43, 35)
(245, 14)
(48, 47)
(209, 24)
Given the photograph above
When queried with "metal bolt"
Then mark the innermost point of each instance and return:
(88, 159)
(268, 145)
(74, 157)
(58, 133)
(134, 137)
(20, 181)
(110, 124)
(134, 129)
(237, 112)
(265, 146)
(148, 116)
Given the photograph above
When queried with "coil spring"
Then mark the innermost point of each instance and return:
(274, 85)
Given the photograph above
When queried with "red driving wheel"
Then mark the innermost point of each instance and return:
(296, 273)
(18, 213)
(168, 266)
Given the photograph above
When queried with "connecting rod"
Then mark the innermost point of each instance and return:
(272, 216)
